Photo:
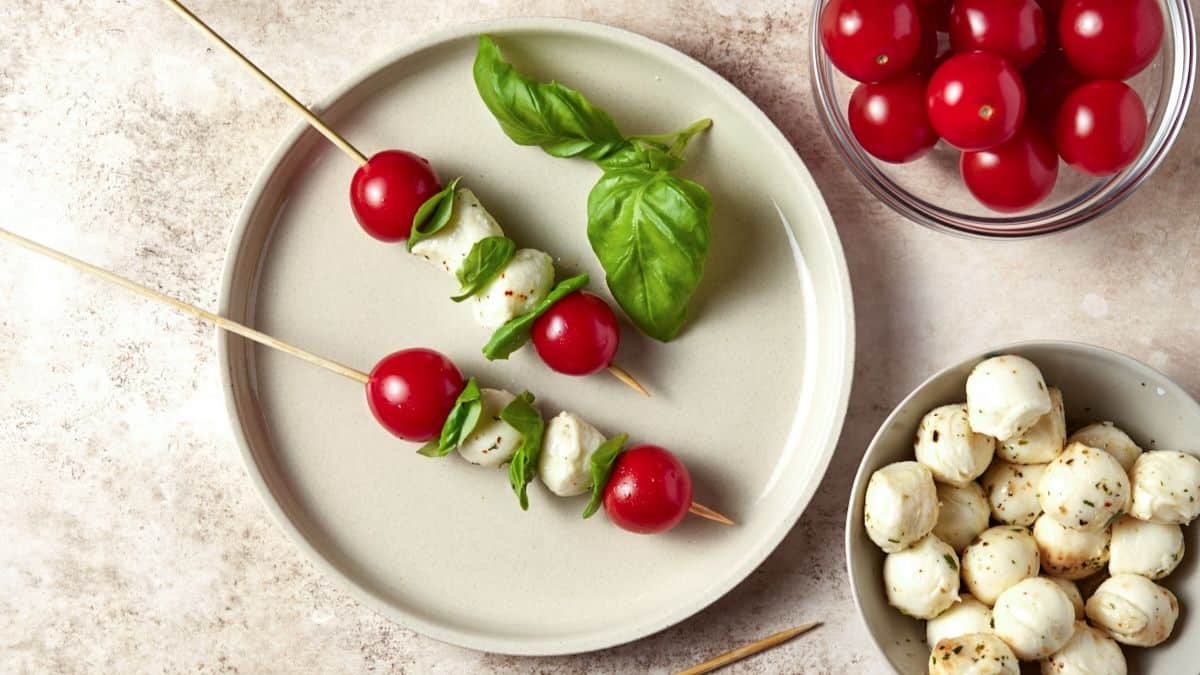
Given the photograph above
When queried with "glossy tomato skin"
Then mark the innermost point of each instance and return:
(1101, 127)
(871, 40)
(386, 192)
(976, 101)
(412, 391)
(1013, 176)
(649, 491)
(1012, 29)
(889, 119)
(578, 335)
(1048, 82)
(1110, 39)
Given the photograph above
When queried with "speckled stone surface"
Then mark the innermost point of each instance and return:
(130, 538)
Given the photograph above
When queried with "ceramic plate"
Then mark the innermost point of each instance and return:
(751, 396)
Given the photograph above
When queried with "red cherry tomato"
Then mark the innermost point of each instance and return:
(578, 335)
(412, 391)
(871, 40)
(1110, 39)
(1047, 83)
(931, 54)
(1013, 176)
(649, 491)
(976, 101)
(387, 191)
(1012, 29)
(1101, 127)
(889, 119)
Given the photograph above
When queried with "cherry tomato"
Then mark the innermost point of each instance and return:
(578, 335)
(976, 101)
(871, 40)
(649, 491)
(387, 191)
(1101, 127)
(931, 54)
(889, 119)
(1012, 176)
(412, 391)
(1110, 39)
(1047, 83)
(1012, 29)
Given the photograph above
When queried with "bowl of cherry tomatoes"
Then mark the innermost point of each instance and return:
(1031, 116)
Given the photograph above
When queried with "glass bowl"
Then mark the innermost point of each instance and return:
(934, 196)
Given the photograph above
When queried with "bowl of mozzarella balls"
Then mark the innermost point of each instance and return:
(1027, 510)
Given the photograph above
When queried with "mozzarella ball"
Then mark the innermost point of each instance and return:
(518, 288)
(901, 505)
(1006, 395)
(1067, 553)
(494, 441)
(964, 617)
(1107, 437)
(1043, 441)
(952, 451)
(973, 654)
(962, 514)
(922, 580)
(469, 223)
(1088, 652)
(1084, 488)
(998, 559)
(1133, 610)
(1073, 593)
(564, 465)
(1152, 550)
(1166, 487)
(1035, 618)
(1011, 491)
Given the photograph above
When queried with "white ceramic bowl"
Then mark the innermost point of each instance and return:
(1097, 384)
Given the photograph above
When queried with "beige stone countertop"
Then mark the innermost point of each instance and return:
(131, 539)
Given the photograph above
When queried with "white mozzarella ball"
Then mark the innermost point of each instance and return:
(1084, 488)
(494, 441)
(1043, 441)
(953, 452)
(1006, 395)
(962, 514)
(999, 558)
(973, 654)
(1152, 550)
(518, 288)
(1133, 610)
(1088, 652)
(1107, 437)
(1073, 593)
(1035, 617)
(922, 580)
(564, 465)
(964, 617)
(1067, 553)
(1166, 487)
(469, 223)
(901, 505)
(1011, 491)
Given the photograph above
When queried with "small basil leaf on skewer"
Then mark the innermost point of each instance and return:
(433, 214)
(487, 257)
(512, 335)
(521, 415)
(601, 466)
(459, 423)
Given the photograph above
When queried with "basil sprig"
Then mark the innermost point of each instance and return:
(601, 466)
(485, 260)
(433, 214)
(521, 415)
(512, 335)
(459, 423)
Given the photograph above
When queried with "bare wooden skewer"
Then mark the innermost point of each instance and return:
(705, 512)
(749, 650)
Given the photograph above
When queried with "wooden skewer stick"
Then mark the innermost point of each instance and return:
(624, 376)
(749, 650)
(703, 511)
(203, 314)
(311, 117)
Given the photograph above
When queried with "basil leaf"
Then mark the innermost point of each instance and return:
(433, 214)
(459, 423)
(555, 117)
(521, 415)
(601, 466)
(512, 335)
(487, 257)
(638, 154)
(650, 231)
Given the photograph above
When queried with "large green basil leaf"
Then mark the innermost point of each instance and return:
(433, 214)
(547, 114)
(650, 231)
(487, 257)
(601, 466)
(459, 423)
(521, 415)
(512, 335)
